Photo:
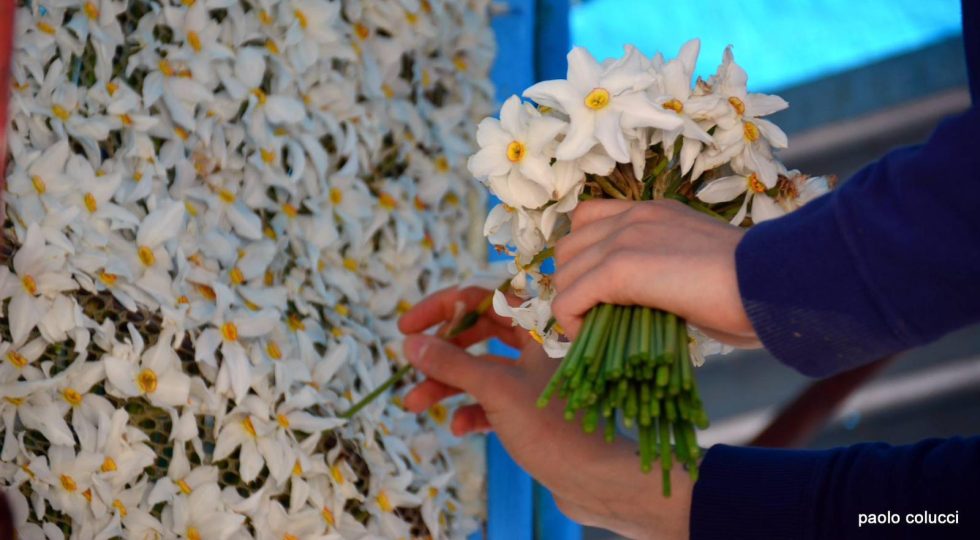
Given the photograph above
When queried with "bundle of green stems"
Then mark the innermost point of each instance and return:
(633, 363)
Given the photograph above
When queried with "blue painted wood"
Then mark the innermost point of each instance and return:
(549, 522)
(510, 496)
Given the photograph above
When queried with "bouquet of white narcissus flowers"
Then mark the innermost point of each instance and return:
(215, 213)
(634, 129)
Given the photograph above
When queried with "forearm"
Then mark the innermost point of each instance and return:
(763, 493)
(886, 263)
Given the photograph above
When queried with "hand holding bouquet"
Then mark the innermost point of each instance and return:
(633, 129)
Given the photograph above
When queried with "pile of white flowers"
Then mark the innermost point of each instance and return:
(215, 211)
(607, 125)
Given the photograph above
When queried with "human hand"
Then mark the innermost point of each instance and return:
(593, 482)
(657, 253)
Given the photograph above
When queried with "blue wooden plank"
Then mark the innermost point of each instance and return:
(549, 522)
(510, 496)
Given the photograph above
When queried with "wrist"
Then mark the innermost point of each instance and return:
(630, 503)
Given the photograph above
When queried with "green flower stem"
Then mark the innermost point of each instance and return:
(397, 376)
(687, 378)
(665, 454)
(646, 327)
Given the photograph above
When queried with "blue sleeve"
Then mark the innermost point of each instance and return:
(798, 494)
(888, 261)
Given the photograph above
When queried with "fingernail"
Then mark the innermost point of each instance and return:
(415, 346)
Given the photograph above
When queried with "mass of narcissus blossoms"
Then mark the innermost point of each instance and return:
(539, 158)
(215, 212)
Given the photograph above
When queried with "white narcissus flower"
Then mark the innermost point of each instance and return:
(512, 154)
(602, 102)
(39, 276)
(156, 375)
(676, 81)
(201, 515)
(751, 185)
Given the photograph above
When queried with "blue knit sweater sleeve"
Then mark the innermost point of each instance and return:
(888, 261)
(927, 490)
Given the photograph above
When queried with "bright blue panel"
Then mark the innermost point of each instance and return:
(778, 42)
(549, 522)
(510, 501)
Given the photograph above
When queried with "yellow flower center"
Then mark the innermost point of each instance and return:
(16, 359)
(227, 196)
(388, 91)
(537, 336)
(272, 348)
(289, 210)
(184, 487)
(181, 133)
(442, 164)
(108, 464)
(229, 331)
(46, 28)
(90, 203)
(342, 310)
(460, 62)
(61, 112)
(283, 421)
(91, 10)
(674, 105)
(362, 31)
(16, 402)
(439, 413)
(337, 474)
(39, 186)
(755, 185)
(297, 469)
(268, 278)
(72, 396)
(751, 131)
(433, 492)
(288, 536)
(260, 95)
(118, 505)
(87, 494)
(147, 381)
(265, 18)
(384, 503)
(165, 68)
(29, 284)
(207, 292)
(454, 249)
(450, 506)
(146, 256)
(68, 483)
(403, 306)
(193, 533)
(328, 516)
(271, 46)
(387, 201)
(183, 300)
(236, 276)
(301, 18)
(516, 151)
(411, 17)
(295, 323)
(597, 99)
(337, 332)
(737, 104)
(138, 175)
(350, 264)
(107, 278)
(194, 40)
(249, 428)
(452, 199)
(336, 196)
(268, 156)
(111, 87)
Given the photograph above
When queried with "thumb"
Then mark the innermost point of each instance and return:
(447, 363)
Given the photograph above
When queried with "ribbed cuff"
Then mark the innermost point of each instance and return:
(754, 493)
(804, 295)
